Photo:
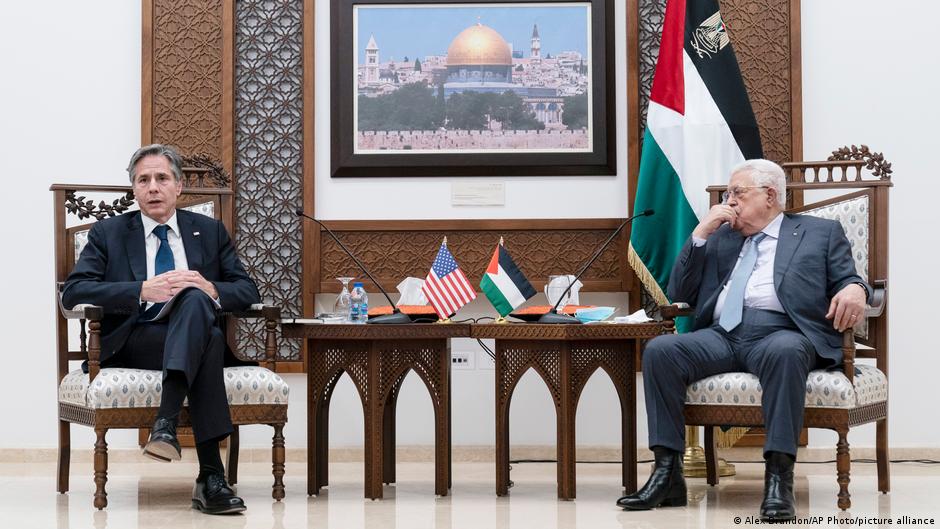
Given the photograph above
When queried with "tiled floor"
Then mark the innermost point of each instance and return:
(157, 495)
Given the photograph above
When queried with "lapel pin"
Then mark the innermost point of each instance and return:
(794, 233)
(196, 234)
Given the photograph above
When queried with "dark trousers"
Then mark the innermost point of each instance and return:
(766, 344)
(189, 340)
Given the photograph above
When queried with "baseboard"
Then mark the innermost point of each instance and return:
(461, 454)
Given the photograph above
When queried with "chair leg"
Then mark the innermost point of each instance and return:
(881, 452)
(232, 456)
(101, 468)
(65, 455)
(711, 457)
(277, 462)
(843, 462)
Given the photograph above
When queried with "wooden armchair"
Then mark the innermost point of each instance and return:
(858, 393)
(129, 398)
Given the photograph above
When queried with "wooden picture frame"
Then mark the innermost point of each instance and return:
(438, 146)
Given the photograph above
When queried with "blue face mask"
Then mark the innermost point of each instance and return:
(594, 313)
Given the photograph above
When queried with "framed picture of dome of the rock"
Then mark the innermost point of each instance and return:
(482, 88)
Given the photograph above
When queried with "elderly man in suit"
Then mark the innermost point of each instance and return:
(772, 293)
(132, 266)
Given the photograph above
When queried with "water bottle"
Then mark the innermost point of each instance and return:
(359, 304)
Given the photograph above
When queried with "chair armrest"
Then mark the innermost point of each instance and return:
(848, 354)
(82, 311)
(260, 310)
(878, 299)
(272, 318)
(675, 310)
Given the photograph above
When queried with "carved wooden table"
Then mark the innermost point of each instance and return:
(376, 358)
(565, 356)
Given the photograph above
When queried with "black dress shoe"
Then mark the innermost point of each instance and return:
(212, 495)
(778, 504)
(665, 488)
(163, 445)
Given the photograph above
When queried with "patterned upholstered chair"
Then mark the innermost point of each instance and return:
(858, 393)
(129, 398)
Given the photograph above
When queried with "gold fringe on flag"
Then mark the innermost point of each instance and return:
(727, 439)
(645, 277)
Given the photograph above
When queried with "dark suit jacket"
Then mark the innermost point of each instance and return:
(812, 263)
(113, 267)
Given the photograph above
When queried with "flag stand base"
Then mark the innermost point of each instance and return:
(693, 461)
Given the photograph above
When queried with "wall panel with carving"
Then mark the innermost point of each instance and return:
(185, 93)
(268, 156)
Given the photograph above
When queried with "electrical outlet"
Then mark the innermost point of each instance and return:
(461, 360)
(485, 361)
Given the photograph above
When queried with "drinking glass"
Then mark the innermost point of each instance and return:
(343, 306)
(555, 287)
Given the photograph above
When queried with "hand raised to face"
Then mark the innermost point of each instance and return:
(717, 215)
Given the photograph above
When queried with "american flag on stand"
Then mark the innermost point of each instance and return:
(446, 287)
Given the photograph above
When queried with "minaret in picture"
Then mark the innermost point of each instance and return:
(536, 56)
(372, 61)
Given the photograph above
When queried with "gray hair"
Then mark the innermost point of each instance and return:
(171, 154)
(766, 173)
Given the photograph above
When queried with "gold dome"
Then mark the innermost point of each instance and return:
(479, 45)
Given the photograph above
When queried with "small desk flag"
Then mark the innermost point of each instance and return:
(446, 286)
(504, 284)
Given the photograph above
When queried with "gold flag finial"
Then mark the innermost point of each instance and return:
(501, 241)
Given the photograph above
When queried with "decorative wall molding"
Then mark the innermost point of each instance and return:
(393, 250)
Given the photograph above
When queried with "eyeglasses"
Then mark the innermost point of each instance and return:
(738, 191)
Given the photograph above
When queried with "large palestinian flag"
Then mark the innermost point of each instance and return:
(700, 125)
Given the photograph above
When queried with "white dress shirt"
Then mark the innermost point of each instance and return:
(759, 292)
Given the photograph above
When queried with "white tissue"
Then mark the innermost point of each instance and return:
(411, 293)
(637, 317)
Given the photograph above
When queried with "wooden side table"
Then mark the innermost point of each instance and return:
(377, 358)
(565, 357)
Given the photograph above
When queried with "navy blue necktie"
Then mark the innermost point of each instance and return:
(162, 263)
(164, 260)
(733, 309)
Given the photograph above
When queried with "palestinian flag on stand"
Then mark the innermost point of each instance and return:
(504, 284)
(699, 126)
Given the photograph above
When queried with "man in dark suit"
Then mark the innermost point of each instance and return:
(135, 263)
(763, 284)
